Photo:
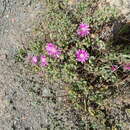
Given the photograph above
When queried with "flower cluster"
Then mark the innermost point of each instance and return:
(42, 59)
(81, 55)
(54, 51)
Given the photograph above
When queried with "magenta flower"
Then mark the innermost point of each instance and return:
(83, 30)
(53, 50)
(43, 61)
(114, 67)
(34, 59)
(29, 58)
(82, 55)
(126, 66)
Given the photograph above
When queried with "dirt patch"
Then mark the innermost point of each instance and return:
(16, 109)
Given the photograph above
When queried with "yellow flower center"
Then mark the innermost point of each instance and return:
(81, 55)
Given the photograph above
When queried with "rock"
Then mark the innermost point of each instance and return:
(123, 6)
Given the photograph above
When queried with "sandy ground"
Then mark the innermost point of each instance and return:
(16, 110)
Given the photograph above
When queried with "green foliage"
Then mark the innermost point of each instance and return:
(93, 81)
(19, 57)
(36, 47)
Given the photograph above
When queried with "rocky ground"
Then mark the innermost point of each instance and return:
(17, 18)
(18, 110)
(122, 5)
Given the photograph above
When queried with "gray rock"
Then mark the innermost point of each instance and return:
(122, 5)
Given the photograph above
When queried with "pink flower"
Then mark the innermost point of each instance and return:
(114, 67)
(53, 50)
(83, 30)
(28, 58)
(43, 61)
(126, 66)
(34, 59)
(82, 55)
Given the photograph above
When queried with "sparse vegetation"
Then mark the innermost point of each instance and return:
(100, 77)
